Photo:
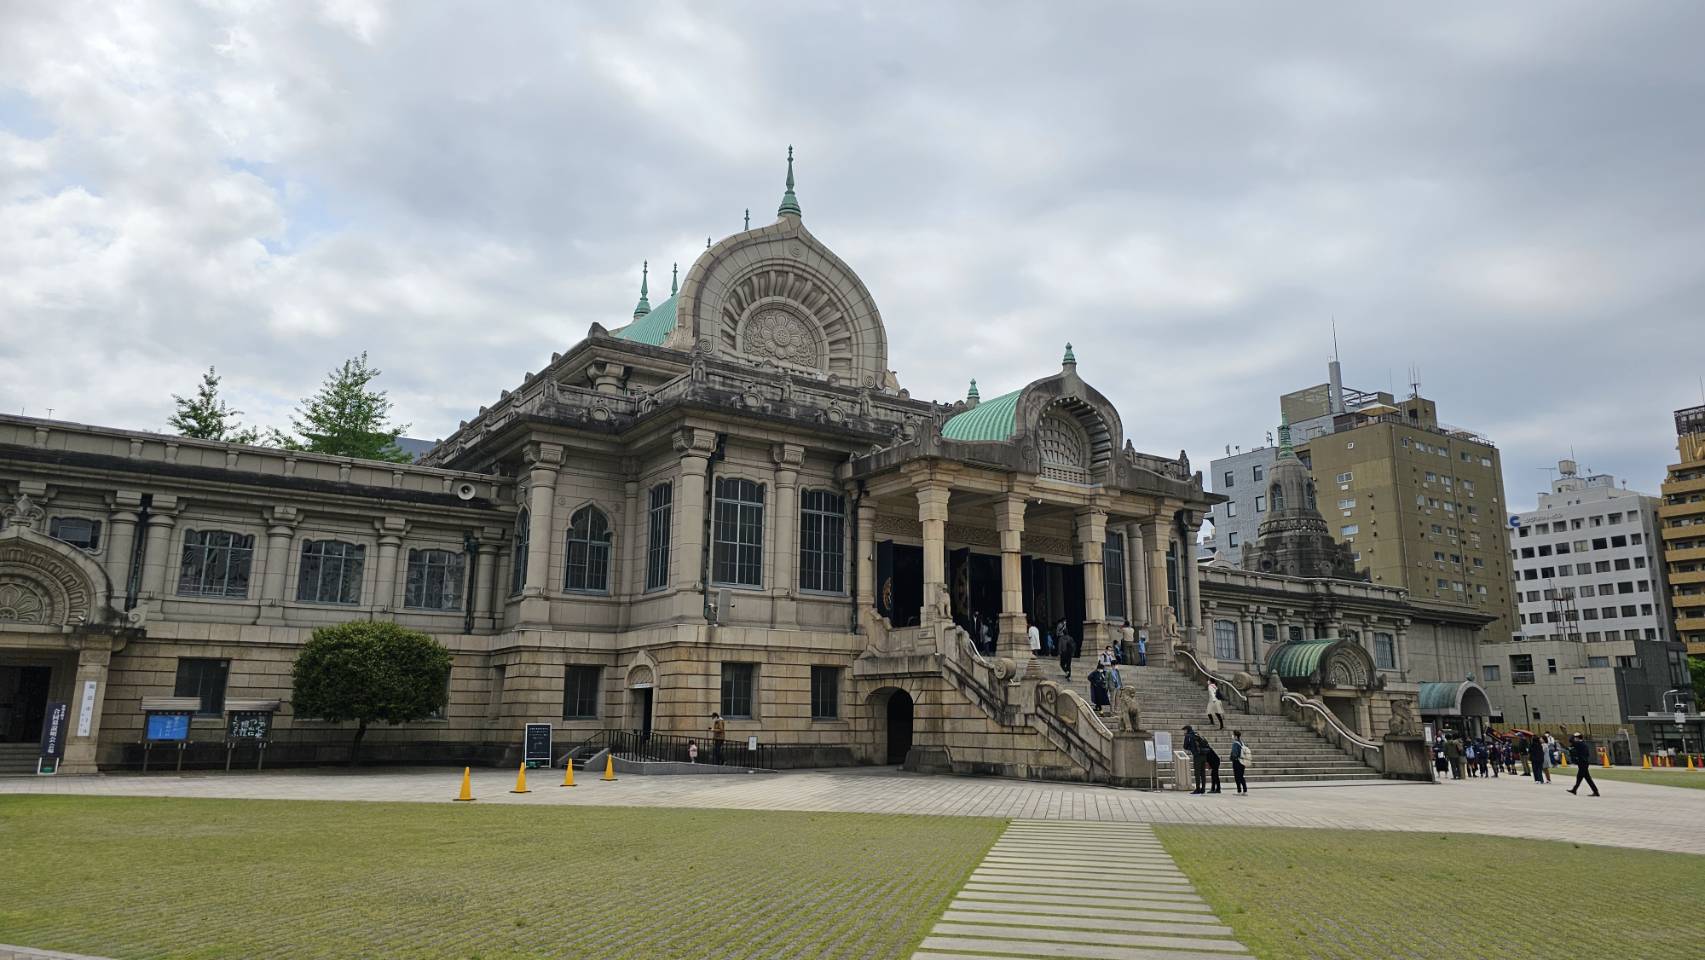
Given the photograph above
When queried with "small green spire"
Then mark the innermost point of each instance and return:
(1285, 437)
(674, 279)
(1069, 358)
(973, 395)
(643, 307)
(748, 225)
(789, 202)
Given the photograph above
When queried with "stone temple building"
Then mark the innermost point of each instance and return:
(727, 503)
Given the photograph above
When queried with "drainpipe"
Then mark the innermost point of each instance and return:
(709, 515)
(852, 523)
(138, 553)
(471, 551)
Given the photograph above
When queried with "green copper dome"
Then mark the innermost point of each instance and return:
(989, 420)
(653, 328)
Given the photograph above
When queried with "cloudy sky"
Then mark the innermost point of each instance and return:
(1505, 196)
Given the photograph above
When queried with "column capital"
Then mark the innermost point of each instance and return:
(693, 442)
(124, 501)
(787, 454)
(1009, 513)
(933, 496)
(543, 456)
(282, 516)
(389, 527)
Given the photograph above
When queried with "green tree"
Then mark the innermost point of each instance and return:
(347, 418)
(206, 417)
(369, 672)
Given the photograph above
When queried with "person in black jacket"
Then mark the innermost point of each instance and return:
(1204, 759)
(1582, 759)
(1536, 757)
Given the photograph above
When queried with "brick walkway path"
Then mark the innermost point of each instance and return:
(1096, 891)
(1629, 814)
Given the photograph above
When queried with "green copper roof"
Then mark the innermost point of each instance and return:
(1298, 660)
(1069, 357)
(654, 327)
(789, 202)
(989, 420)
(1439, 697)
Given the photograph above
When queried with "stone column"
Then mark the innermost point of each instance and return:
(933, 496)
(1014, 627)
(1191, 593)
(784, 559)
(1136, 574)
(1400, 649)
(866, 555)
(688, 543)
(545, 459)
(1091, 537)
(275, 563)
(485, 594)
(627, 580)
(92, 661)
(391, 532)
(121, 543)
(162, 517)
(1157, 533)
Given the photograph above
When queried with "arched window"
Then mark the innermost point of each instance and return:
(1276, 498)
(518, 566)
(1310, 489)
(588, 566)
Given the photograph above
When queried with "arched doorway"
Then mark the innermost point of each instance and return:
(899, 726)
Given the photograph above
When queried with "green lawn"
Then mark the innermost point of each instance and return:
(1663, 778)
(1331, 894)
(136, 878)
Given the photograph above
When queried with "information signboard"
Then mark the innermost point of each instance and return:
(55, 723)
(86, 712)
(248, 725)
(1162, 746)
(167, 727)
(536, 744)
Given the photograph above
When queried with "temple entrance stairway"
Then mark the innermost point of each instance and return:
(1284, 751)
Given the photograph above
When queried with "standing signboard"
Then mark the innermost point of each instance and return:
(55, 724)
(1162, 746)
(165, 726)
(248, 726)
(536, 745)
(86, 712)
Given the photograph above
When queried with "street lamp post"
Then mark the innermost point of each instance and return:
(1526, 714)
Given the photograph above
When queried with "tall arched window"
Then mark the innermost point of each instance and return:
(588, 566)
(518, 566)
(1275, 498)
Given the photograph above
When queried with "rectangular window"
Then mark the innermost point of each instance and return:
(737, 534)
(1261, 503)
(1295, 634)
(1491, 671)
(825, 693)
(1231, 539)
(1113, 573)
(1347, 503)
(1260, 474)
(657, 546)
(1598, 661)
(1230, 479)
(1345, 477)
(1231, 508)
(1349, 529)
(216, 563)
(434, 580)
(737, 690)
(580, 692)
(1269, 633)
(1225, 640)
(80, 532)
(1385, 651)
(205, 680)
(822, 538)
(330, 572)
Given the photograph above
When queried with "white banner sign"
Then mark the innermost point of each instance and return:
(86, 713)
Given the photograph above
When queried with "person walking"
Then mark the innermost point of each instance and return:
(1553, 755)
(1143, 649)
(1098, 689)
(1536, 757)
(1453, 753)
(1440, 764)
(1216, 709)
(1240, 759)
(1581, 757)
(1035, 637)
(1114, 681)
(1064, 643)
(1106, 659)
(1471, 764)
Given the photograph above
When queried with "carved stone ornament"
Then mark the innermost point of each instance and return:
(779, 335)
(22, 602)
(22, 513)
(1404, 723)
(40, 586)
(1126, 709)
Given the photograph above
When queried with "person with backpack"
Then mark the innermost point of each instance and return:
(1240, 760)
(1204, 760)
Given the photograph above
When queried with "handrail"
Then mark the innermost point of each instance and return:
(1204, 671)
(1085, 710)
(1332, 720)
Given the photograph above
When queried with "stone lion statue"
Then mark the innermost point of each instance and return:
(1243, 680)
(1404, 723)
(1170, 629)
(1126, 710)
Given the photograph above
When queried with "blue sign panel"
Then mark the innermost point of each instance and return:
(168, 726)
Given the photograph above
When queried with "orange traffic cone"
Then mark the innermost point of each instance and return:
(567, 772)
(609, 769)
(467, 794)
(521, 781)
(1645, 761)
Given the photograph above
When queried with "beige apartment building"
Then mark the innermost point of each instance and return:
(1420, 504)
(1682, 515)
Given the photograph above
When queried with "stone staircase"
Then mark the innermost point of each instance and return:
(18, 758)
(1284, 751)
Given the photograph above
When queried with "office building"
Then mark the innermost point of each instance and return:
(1683, 517)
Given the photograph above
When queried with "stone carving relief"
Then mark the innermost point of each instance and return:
(1063, 443)
(22, 602)
(22, 513)
(1404, 723)
(777, 334)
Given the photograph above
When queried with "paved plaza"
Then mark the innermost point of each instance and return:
(1628, 815)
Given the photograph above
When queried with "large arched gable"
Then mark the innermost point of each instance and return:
(778, 296)
(1068, 428)
(45, 582)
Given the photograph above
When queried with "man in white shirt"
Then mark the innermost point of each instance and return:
(1035, 640)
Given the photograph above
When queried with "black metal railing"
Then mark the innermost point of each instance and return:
(314, 747)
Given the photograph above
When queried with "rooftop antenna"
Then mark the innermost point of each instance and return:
(1414, 382)
(1269, 438)
(1334, 338)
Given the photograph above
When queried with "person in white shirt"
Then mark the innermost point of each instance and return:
(1035, 640)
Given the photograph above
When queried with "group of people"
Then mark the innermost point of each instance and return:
(1487, 756)
(1205, 761)
(1128, 646)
